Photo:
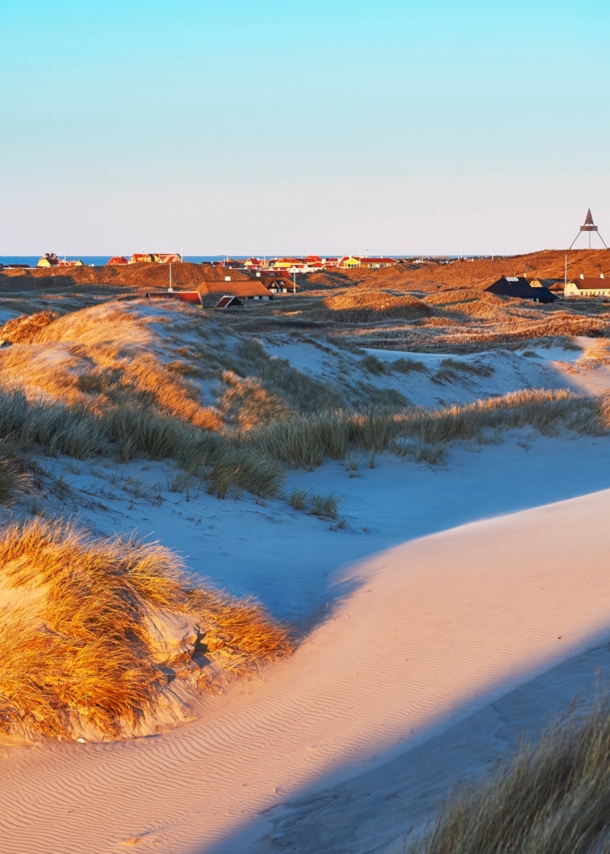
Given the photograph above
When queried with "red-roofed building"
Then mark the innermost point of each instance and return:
(377, 262)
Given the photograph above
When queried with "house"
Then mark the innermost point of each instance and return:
(377, 262)
(193, 297)
(286, 264)
(588, 287)
(117, 259)
(229, 302)
(50, 259)
(520, 288)
(348, 261)
(141, 257)
(255, 264)
(168, 258)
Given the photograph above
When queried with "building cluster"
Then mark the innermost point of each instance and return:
(541, 291)
(313, 263)
(147, 258)
(50, 259)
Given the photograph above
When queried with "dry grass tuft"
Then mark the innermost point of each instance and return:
(453, 369)
(27, 328)
(246, 403)
(75, 630)
(553, 798)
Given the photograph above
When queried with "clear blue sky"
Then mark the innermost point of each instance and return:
(270, 126)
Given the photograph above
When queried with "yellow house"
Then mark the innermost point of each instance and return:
(588, 287)
(349, 261)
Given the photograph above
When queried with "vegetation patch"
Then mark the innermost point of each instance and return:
(552, 797)
(454, 369)
(92, 631)
(407, 366)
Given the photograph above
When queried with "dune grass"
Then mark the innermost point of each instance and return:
(451, 370)
(552, 798)
(252, 459)
(74, 633)
(305, 441)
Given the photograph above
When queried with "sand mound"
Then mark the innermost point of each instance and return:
(361, 305)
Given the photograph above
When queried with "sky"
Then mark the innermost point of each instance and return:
(284, 126)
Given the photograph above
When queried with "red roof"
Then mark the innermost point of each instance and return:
(592, 284)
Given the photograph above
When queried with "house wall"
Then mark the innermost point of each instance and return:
(572, 290)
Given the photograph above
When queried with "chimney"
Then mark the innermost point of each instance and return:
(601, 275)
(582, 275)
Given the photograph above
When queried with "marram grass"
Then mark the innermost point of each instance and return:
(74, 642)
(551, 798)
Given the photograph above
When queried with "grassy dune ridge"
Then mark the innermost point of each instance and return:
(252, 459)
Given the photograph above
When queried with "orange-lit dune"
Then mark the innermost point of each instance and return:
(431, 631)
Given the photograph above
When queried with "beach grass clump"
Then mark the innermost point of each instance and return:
(76, 647)
(373, 365)
(407, 366)
(325, 505)
(451, 370)
(298, 499)
(551, 798)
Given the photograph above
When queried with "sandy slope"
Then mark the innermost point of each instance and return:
(432, 630)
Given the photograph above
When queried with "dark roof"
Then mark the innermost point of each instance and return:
(519, 287)
(229, 302)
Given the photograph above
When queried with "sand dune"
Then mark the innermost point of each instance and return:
(432, 631)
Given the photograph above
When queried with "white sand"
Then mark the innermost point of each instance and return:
(431, 632)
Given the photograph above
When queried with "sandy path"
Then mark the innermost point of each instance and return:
(433, 630)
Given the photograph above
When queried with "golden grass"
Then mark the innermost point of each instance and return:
(551, 798)
(79, 649)
(26, 328)
(247, 403)
(100, 357)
